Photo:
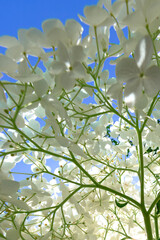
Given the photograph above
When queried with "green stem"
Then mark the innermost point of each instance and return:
(95, 31)
(147, 223)
(141, 166)
(154, 203)
(156, 225)
(146, 214)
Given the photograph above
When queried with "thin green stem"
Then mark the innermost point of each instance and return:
(98, 52)
(141, 166)
(156, 225)
(154, 203)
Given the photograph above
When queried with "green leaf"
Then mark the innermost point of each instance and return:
(121, 203)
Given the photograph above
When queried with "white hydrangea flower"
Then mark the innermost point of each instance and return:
(68, 67)
(146, 13)
(8, 192)
(139, 77)
(95, 16)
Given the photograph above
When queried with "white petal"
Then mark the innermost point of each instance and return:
(135, 20)
(74, 30)
(57, 67)
(142, 102)
(46, 236)
(36, 51)
(63, 141)
(78, 70)
(152, 81)
(49, 24)
(62, 53)
(12, 234)
(117, 8)
(20, 121)
(77, 54)
(133, 91)
(77, 150)
(37, 37)
(7, 41)
(9, 187)
(2, 96)
(116, 91)
(67, 81)
(7, 65)
(40, 87)
(152, 11)
(94, 15)
(20, 204)
(126, 69)
(22, 37)
(143, 52)
(56, 35)
(16, 52)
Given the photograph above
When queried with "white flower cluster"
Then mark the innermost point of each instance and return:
(65, 109)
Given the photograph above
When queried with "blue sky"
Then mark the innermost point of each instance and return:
(18, 14)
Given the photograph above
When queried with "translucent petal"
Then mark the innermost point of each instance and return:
(24, 73)
(117, 7)
(116, 92)
(67, 81)
(142, 102)
(23, 69)
(94, 15)
(7, 41)
(134, 20)
(8, 187)
(126, 69)
(77, 150)
(2, 96)
(20, 204)
(74, 30)
(12, 234)
(56, 35)
(78, 70)
(7, 65)
(63, 141)
(40, 87)
(37, 37)
(77, 54)
(16, 52)
(49, 24)
(83, 19)
(152, 81)
(20, 121)
(57, 68)
(152, 11)
(143, 53)
(35, 51)
(133, 91)
(22, 37)
(62, 53)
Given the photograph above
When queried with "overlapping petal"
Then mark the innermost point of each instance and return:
(95, 15)
(143, 53)
(152, 81)
(126, 69)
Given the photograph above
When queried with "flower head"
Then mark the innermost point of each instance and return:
(139, 76)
